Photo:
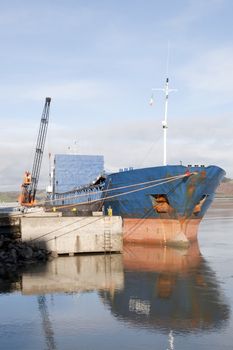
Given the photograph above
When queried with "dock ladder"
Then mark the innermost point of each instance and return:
(107, 234)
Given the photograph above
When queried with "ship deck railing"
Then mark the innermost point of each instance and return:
(86, 193)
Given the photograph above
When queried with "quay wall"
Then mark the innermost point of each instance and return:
(71, 235)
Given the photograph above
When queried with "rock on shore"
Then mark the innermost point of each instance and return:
(15, 254)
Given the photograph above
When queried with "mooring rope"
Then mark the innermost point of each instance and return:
(102, 199)
(65, 226)
(124, 193)
(112, 189)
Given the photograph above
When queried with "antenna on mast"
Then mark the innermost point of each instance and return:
(164, 122)
(168, 57)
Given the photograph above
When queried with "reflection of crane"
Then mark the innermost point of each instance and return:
(30, 182)
(171, 340)
(46, 323)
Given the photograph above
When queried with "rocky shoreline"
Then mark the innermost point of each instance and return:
(15, 254)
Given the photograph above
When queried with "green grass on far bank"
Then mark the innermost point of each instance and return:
(12, 196)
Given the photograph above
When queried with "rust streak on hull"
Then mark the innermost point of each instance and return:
(160, 231)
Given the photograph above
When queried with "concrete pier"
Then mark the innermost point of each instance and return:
(71, 235)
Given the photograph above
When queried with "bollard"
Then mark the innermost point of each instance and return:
(109, 211)
(74, 211)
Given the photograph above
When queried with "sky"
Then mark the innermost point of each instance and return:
(98, 61)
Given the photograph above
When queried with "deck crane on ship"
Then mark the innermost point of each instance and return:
(30, 181)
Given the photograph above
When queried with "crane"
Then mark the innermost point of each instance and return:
(30, 181)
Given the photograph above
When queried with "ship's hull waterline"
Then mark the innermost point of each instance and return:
(160, 231)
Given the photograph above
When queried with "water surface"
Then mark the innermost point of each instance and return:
(146, 298)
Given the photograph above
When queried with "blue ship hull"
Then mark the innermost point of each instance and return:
(167, 211)
(182, 194)
(158, 205)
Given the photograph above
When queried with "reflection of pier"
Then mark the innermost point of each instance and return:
(168, 288)
(75, 274)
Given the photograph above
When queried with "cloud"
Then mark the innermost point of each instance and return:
(119, 54)
(193, 11)
(72, 90)
(211, 72)
(128, 143)
(140, 143)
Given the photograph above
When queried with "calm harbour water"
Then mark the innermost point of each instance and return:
(147, 298)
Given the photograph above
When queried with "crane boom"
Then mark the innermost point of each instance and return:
(30, 183)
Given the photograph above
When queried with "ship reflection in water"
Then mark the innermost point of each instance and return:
(158, 289)
(168, 289)
(146, 298)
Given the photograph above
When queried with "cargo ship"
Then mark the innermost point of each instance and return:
(159, 205)
(164, 204)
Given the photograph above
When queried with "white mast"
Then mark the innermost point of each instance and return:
(164, 122)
